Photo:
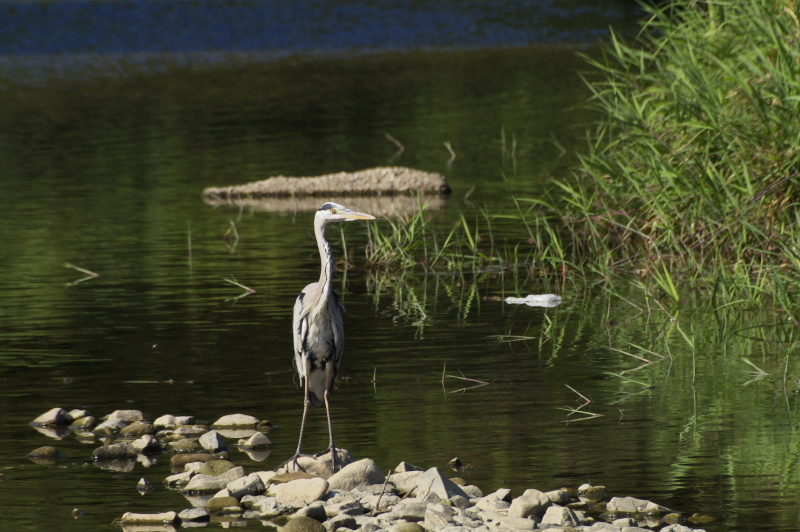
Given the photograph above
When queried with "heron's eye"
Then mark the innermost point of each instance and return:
(334, 211)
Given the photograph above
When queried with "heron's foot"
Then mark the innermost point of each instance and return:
(334, 454)
(293, 460)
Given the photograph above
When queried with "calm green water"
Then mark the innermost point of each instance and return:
(105, 172)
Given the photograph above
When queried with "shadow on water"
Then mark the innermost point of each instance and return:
(105, 172)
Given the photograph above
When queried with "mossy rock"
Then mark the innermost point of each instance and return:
(137, 430)
(186, 445)
(180, 460)
(223, 505)
(304, 524)
(216, 467)
(47, 451)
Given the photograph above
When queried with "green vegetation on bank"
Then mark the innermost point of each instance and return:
(692, 171)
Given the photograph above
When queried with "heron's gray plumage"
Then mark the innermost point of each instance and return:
(318, 325)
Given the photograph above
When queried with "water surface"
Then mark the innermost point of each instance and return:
(106, 142)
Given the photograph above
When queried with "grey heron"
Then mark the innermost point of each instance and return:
(318, 327)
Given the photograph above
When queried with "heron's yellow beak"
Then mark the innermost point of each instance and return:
(354, 215)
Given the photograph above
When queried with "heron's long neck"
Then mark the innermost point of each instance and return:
(328, 267)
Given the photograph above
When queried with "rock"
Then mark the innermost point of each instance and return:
(410, 510)
(110, 424)
(341, 521)
(162, 518)
(249, 485)
(346, 505)
(678, 528)
(405, 482)
(235, 421)
(406, 527)
(282, 478)
(560, 497)
(179, 480)
(205, 484)
(216, 467)
(532, 502)
(223, 505)
(315, 510)
(233, 474)
(459, 502)
(186, 445)
(625, 522)
(560, 516)
(180, 460)
(379, 502)
(362, 473)
(322, 466)
(192, 431)
(303, 491)
(78, 413)
(115, 451)
(144, 486)
(183, 421)
(473, 492)
(266, 476)
(56, 416)
(434, 481)
(86, 423)
(194, 515)
(633, 505)
(405, 467)
(257, 440)
(47, 451)
(493, 505)
(592, 493)
(166, 421)
(436, 519)
(503, 494)
(212, 441)
(137, 430)
(303, 524)
(146, 444)
(515, 523)
(126, 415)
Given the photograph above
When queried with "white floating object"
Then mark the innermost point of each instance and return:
(533, 300)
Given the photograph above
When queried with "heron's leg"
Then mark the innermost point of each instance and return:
(331, 446)
(298, 453)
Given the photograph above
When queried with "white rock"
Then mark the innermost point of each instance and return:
(405, 482)
(258, 439)
(178, 480)
(515, 523)
(435, 520)
(55, 416)
(410, 510)
(183, 421)
(434, 481)
(633, 505)
(206, 484)
(162, 518)
(303, 491)
(236, 420)
(213, 442)
(146, 443)
(165, 422)
(126, 415)
(532, 502)
(249, 485)
(473, 492)
(560, 516)
(362, 473)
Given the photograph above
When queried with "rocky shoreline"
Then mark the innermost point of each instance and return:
(314, 498)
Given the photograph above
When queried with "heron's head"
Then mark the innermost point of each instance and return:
(333, 212)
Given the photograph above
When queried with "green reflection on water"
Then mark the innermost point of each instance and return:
(107, 176)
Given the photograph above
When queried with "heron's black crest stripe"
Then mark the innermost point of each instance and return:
(327, 206)
(301, 296)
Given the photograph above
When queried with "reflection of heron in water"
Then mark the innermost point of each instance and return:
(318, 327)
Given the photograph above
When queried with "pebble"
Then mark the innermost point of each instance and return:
(236, 420)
